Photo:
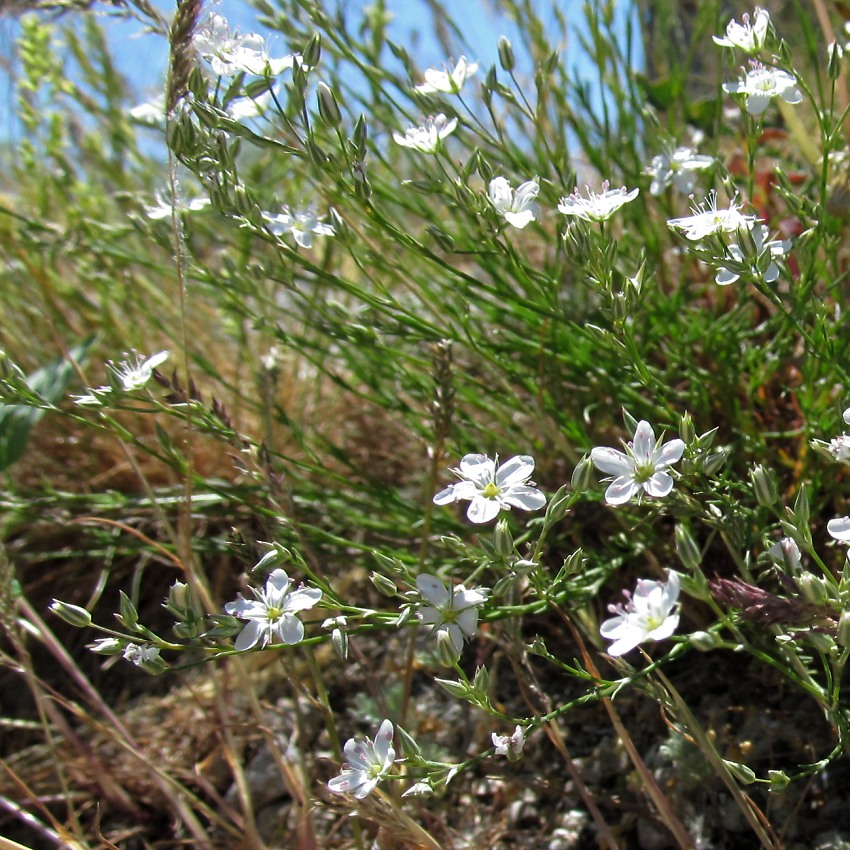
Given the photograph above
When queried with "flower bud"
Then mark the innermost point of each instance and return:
(328, 106)
(687, 548)
(764, 486)
(741, 772)
(503, 543)
(446, 650)
(385, 586)
(686, 429)
(844, 629)
(128, 616)
(481, 681)
(506, 54)
(835, 54)
(74, 615)
(558, 506)
(187, 630)
(339, 640)
(442, 238)
(361, 136)
(821, 642)
(779, 781)
(812, 588)
(107, 646)
(705, 641)
(712, 464)
(456, 689)
(312, 53)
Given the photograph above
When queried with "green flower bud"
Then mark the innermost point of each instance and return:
(503, 543)
(779, 781)
(312, 53)
(328, 106)
(686, 546)
(764, 486)
(705, 641)
(456, 689)
(128, 616)
(835, 55)
(844, 629)
(385, 586)
(741, 772)
(812, 588)
(74, 615)
(506, 55)
(446, 650)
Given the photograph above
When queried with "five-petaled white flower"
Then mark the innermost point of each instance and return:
(753, 257)
(509, 745)
(229, 53)
(140, 653)
(454, 611)
(429, 137)
(491, 490)
(596, 207)
(133, 373)
(366, 763)
(162, 207)
(762, 84)
(516, 207)
(677, 168)
(650, 614)
(303, 224)
(839, 447)
(449, 81)
(641, 468)
(839, 528)
(271, 615)
(707, 219)
(749, 36)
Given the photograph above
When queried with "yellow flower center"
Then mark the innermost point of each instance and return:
(490, 491)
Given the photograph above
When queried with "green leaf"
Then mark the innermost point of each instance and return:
(49, 383)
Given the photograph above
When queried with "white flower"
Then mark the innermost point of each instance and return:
(366, 763)
(137, 370)
(677, 168)
(839, 448)
(749, 37)
(516, 207)
(419, 789)
(641, 469)
(429, 136)
(243, 108)
(303, 224)
(449, 81)
(786, 552)
(140, 653)
(229, 53)
(762, 84)
(271, 616)
(707, 219)
(106, 646)
(509, 745)
(454, 611)
(839, 528)
(151, 112)
(596, 207)
(491, 490)
(753, 258)
(846, 416)
(650, 614)
(162, 207)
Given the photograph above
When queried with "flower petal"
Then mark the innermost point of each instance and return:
(670, 452)
(482, 509)
(659, 485)
(611, 461)
(525, 497)
(290, 629)
(839, 528)
(249, 636)
(515, 471)
(620, 490)
(643, 443)
(433, 590)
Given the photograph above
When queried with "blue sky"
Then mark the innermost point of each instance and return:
(142, 56)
